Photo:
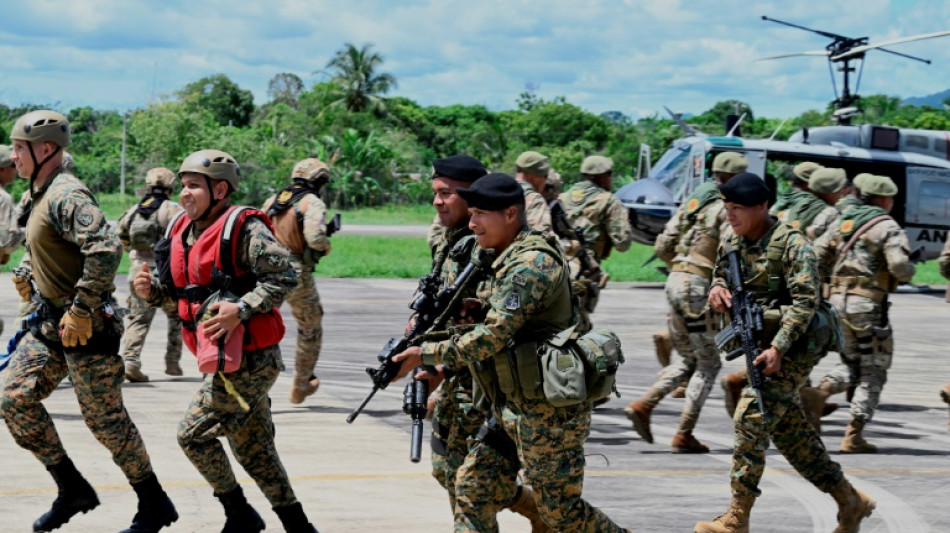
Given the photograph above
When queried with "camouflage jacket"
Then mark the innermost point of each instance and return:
(536, 209)
(524, 281)
(70, 249)
(314, 228)
(11, 235)
(435, 234)
(693, 238)
(801, 209)
(259, 253)
(163, 216)
(600, 215)
(825, 219)
(798, 269)
(883, 248)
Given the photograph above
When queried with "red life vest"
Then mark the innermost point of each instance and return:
(195, 268)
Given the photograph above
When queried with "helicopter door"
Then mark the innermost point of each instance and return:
(927, 208)
(756, 162)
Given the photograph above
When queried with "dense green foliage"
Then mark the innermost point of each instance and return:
(380, 148)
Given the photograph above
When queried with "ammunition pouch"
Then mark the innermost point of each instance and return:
(823, 335)
(875, 288)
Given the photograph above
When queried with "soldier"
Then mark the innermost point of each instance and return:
(553, 186)
(779, 268)
(688, 245)
(299, 217)
(867, 255)
(801, 173)
(532, 174)
(528, 297)
(11, 235)
(457, 416)
(828, 184)
(603, 221)
(70, 263)
(139, 229)
(248, 272)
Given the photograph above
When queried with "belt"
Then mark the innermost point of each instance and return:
(691, 268)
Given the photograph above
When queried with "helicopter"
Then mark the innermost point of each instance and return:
(917, 160)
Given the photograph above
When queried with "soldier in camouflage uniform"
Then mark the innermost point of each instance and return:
(299, 217)
(801, 173)
(70, 263)
(605, 224)
(552, 186)
(457, 414)
(532, 174)
(779, 267)
(233, 405)
(527, 297)
(11, 235)
(867, 255)
(688, 245)
(139, 229)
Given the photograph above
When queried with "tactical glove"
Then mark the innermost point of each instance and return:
(23, 286)
(76, 326)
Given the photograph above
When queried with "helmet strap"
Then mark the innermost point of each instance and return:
(38, 165)
(213, 201)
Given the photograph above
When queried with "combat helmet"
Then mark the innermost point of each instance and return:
(214, 164)
(312, 170)
(43, 125)
(730, 163)
(160, 178)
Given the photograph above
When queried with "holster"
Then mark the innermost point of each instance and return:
(493, 435)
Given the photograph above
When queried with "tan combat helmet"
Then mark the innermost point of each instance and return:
(730, 163)
(313, 170)
(160, 178)
(42, 126)
(214, 164)
(594, 165)
(5, 153)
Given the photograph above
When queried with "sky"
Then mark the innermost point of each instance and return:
(632, 56)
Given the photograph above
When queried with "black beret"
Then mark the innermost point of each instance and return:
(494, 192)
(459, 167)
(745, 189)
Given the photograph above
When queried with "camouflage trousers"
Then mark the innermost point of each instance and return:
(140, 320)
(34, 373)
(867, 356)
(304, 302)
(455, 420)
(487, 482)
(785, 425)
(550, 444)
(693, 329)
(214, 413)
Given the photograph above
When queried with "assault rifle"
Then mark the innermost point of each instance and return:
(746, 324)
(433, 308)
(334, 225)
(562, 227)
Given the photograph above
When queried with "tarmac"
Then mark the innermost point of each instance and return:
(357, 477)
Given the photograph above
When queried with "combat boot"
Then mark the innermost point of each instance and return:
(732, 385)
(853, 441)
(853, 506)
(734, 520)
(302, 389)
(133, 374)
(155, 509)
(526, 506)
(294, 519)
(813, 402)
(173, 368)
(75, 496)
(680, 391)
(685, 442)
(663, 346)
(639, 413)
(241, 517)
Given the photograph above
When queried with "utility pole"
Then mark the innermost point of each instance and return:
(125, 122)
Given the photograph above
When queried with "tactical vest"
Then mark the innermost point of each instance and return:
(575, 203)
(144, 229)
(803, 207)
(56, 263)
(695, 240)
(852, 220)
(288, 225)
(209, 265)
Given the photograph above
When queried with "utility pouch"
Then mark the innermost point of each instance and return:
(218, 356)
(602, 355)
(505, 374)
(565, 383)
(529, 370)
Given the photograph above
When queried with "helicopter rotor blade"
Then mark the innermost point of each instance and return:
(859, 50)
(824, 53)
(819, 32)
(680, 122)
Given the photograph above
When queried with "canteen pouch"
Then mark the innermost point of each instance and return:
(602, 356)
(562, 369)
(218, 356)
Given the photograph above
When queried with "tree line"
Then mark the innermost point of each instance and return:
(380, 148)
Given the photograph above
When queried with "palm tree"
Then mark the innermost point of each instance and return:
(358, 85)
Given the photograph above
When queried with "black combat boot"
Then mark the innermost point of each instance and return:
(155, 509)
(241, 517)
(76, 496)
(294, 519)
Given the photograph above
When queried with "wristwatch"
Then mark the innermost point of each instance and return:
(244, 311)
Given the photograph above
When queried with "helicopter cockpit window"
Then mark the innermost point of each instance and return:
(673, 169)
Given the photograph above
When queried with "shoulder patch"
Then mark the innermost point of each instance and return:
(84, 217)
(513, 301)
(577, 195)
(692, 204)
(518, 280)
(284, 196)
(796, 224)
(847, 226)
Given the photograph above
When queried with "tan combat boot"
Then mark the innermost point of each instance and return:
(732, 385)
(300, 391)
(853, 441)
(813, 402)
(853, 506)
(663, 346)
(685, 442)
(133, 374)
(639, 413)
(172, 368)
(734, 520)
(525, 505)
